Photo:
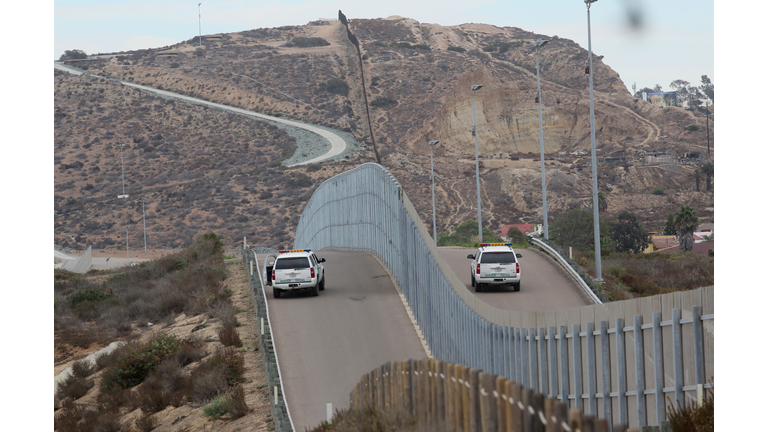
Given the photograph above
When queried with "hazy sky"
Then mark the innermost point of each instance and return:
(675, 40)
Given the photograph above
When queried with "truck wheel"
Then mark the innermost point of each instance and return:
(276, 292)
(478, 287)
(314, 292)
(472, 277)
(517, 287)
(322, 284)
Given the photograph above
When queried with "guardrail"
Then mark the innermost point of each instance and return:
(594, 296)
(280, 411)
(671, 336)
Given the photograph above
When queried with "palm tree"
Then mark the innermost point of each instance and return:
(709, 170)
(686, 222)
(697, 175)
(602, 202)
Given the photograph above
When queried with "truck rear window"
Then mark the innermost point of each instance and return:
(291, 263)
(498, 258)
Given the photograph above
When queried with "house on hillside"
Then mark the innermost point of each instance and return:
(526, 229)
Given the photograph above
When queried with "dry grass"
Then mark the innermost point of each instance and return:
(641, 275)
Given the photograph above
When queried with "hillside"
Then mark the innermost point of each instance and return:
(214, 171)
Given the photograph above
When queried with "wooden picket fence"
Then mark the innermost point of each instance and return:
(454, 397)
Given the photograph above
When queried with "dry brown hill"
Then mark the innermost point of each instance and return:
(418, 78)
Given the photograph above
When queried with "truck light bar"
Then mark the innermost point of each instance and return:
(294, 250)
(495, 244)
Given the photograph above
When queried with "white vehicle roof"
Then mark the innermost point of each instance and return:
(294, 253)
(496, 247)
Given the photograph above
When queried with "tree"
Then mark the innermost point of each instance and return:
(576, 228)
(465, 234)
(639, 93)
(709, 170)
(707, 88)
(629, 234)
(516, 235)
(697, 175)
(74, 54)
(602, 202)
(669, 226)
(686, 222)
(657, 88)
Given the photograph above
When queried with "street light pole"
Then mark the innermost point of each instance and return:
(432, 170)
(199, 25)
(122, 164)
(477, 166)
(144, 220)
(595, 211)
(538, 44)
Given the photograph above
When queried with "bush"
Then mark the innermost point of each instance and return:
(217, 408)
(336, 86)
(456, 49)
(692, 128)
(132, 369)
(658, 191)
(74, 54)
(693, 417)
(382, 102)
(305, 42)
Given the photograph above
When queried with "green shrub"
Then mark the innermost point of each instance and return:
(490, 48)
(88, 294)
(382, 102)
(134, 367)
(336, 86)
(305, 42)
(74, 54)
(456, 49)
(217, 408)
(658, 191)
(692, 128)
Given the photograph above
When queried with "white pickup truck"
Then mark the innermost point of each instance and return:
(495, 264)
(291, 270)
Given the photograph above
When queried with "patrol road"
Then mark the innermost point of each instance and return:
(544, 284)
(325, 344)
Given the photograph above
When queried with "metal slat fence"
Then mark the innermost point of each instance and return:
(622, 373)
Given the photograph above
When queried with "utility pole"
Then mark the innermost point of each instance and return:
(199, 25)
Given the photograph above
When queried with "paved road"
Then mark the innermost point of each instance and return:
(326, 343)
(338, 145)
(544, 284)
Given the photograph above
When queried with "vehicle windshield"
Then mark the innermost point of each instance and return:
(292, 263)
(498, 258)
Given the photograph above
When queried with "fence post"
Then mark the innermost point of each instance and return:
(621, 366)
(606, 357)
(500, 395)
(474, 400)
(639, 370)
(516, 401)
(677, 343)
(658, 370)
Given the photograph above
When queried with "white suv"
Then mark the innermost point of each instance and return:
(495, 264)
(295, 270)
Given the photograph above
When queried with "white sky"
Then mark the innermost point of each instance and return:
(675, 42)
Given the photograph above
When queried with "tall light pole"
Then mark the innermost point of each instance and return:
(477, 165)
(538, 44)
(432, 170)
(144, 220)
(595, 211)
(199, 25)
(122, 170)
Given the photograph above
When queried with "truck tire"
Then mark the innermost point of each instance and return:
(276, 292)
(517, 287)
(314, 292)
(478, 287)
(322, 284)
